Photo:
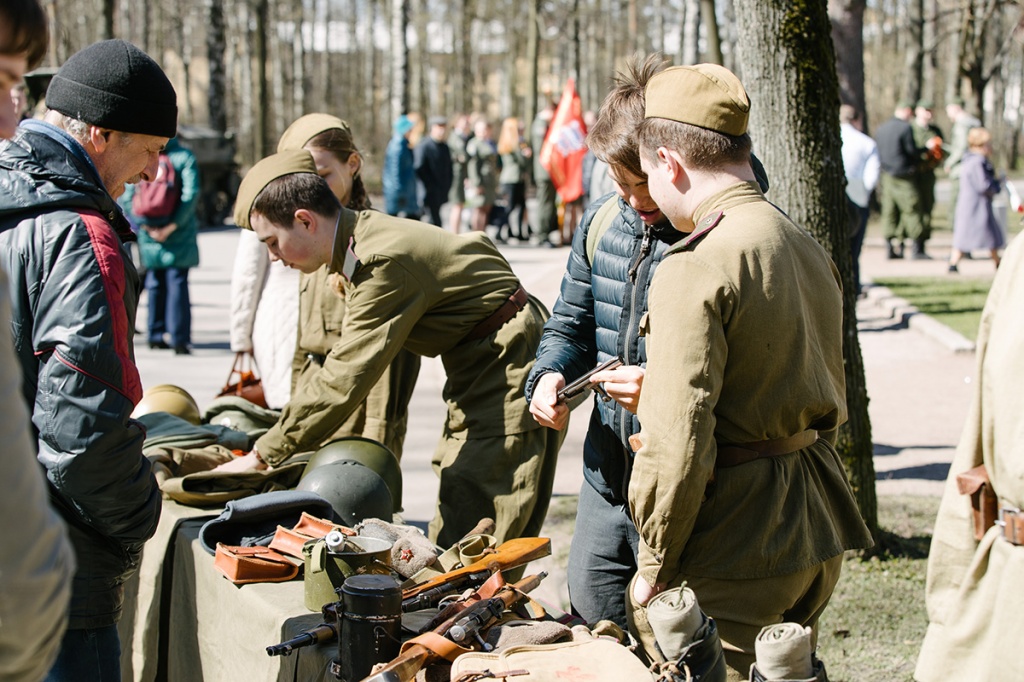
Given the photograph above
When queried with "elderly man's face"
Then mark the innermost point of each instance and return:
(125, 158)
(12, 69)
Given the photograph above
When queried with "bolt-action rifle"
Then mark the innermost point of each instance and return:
(507, 555)
(463, 629)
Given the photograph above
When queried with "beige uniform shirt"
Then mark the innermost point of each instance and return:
(974, 595)
(744, 341)
(416, 287)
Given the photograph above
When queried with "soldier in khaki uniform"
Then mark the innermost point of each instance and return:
(737, 488)
(384, 416)
(409, 285)
(975, 603)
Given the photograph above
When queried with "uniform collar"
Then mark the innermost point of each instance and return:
(343, 257)
(734, 195)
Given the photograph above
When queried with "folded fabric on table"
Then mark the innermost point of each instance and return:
(168, 430)
(254, 520)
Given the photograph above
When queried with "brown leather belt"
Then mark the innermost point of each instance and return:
(734, 455)
(1012, 523)
(512, 305)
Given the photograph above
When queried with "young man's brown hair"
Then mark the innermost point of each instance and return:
(282, 197)
(703, 149)
(23, 30)
(613, 138)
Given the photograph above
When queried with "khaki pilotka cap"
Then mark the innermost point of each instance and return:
(706, 95)
(305, 128)
(263, 173)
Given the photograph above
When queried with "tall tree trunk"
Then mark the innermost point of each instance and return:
(216, 46)
(689, 41)
(848, 37)
(399, 58)
(714, 54)
(574, 40)
(914, 50)
(107, 12)
(533, 61)
(298, 62)
(185, 52)
(261, 129)
(795, 119)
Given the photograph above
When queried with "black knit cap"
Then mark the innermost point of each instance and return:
(115, 85)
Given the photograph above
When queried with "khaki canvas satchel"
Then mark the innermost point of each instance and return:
(595, 660)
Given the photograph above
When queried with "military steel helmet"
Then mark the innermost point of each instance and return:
(352, 489)
(367, 452)
(168, 398)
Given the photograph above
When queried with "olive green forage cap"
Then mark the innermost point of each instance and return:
(706, 95)
(305, 128)
(263, 173)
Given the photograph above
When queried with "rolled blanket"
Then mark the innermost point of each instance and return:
(784, 652)
(676, 620)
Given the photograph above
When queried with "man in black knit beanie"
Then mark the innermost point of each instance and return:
(74, 294)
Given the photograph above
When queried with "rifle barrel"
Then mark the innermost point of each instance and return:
(321, 633)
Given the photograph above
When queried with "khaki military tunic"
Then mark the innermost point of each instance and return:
(744, 342)
(974, 595)
(384, 417)
(415, 287)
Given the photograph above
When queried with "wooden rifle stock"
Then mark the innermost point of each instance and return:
(510, 554)
(415, 655)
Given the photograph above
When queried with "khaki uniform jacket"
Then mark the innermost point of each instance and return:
(422, 289)
(744, 341)
(974, 591)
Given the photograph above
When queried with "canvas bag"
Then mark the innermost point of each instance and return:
(157, 199)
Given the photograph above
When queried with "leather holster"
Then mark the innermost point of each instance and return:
(984, 502)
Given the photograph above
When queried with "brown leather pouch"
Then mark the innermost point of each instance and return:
(984, 502)
(289, 542)
(318, 528)
(243, 565)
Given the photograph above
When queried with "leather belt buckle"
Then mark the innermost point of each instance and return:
(1011, 520)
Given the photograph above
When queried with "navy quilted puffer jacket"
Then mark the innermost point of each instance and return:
(596, 317)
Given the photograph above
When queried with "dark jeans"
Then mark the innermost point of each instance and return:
(857, 239)
(433, 212)
(93, 655)
(170, 310)
(602, 558)
(515, 211)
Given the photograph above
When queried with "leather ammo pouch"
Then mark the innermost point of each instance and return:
(984, 502)
(243, 565)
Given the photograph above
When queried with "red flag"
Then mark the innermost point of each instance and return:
(565, 146)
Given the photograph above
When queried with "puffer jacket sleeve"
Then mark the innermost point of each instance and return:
(88, 384)
(248, 278)
(569, 343)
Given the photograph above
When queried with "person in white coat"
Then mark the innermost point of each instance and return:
(265, 316)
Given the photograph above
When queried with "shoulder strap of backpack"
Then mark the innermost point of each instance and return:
(600, 224)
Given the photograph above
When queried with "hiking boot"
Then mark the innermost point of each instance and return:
(918, 252)
(893, 253)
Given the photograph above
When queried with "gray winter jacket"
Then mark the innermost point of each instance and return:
(75, 292)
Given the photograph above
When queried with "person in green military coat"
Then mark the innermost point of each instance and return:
(409, 285)
(927, 136)
(736, 487)
(384, 416)
(975, 604)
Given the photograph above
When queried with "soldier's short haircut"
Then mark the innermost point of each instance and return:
(703, 149)
(613, 137)
(282, 197)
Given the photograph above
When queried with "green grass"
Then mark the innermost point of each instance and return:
(874, 625)
(955, 302)
(875, 622)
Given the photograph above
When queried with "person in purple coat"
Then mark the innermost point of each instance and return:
(976, 227)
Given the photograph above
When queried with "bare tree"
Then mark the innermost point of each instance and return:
(914, 51)
(399, 58)
(714, 44)
(689, 40)
(796, 123)
(216, 46)
(847, 18)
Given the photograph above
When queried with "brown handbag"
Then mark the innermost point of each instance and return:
(984, 502)
(243, 381)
